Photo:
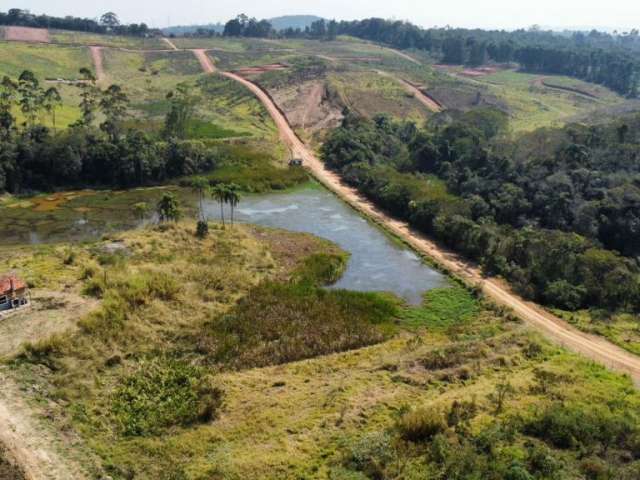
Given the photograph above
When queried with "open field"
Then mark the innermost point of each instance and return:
(166, 300)
(46, 61)
(24, 34)
(81, 38)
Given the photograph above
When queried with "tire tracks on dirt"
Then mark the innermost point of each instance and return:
(96, 55)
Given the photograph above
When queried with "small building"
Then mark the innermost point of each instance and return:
(14, 293)
(295, 162)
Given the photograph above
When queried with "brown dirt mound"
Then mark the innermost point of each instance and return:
(308, 106)
(26, 34)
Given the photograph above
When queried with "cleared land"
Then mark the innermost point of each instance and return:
(24, 34)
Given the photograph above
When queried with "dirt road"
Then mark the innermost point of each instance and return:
(205, 62)
(96, 55)
(557, 330)
(418, 94)
(170, 43)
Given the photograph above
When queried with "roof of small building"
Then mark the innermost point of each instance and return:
(9, 283)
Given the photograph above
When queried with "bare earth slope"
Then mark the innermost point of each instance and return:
(591, 346)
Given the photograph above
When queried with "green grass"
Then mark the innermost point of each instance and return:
(369, 94)
(45, 61)
(533, 106)
(227, 44)
(232, 304)
(116, 41)
(443, 308)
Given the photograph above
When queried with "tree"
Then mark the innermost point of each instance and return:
(220, 193)
(30, 96)
(8, 92)
(233, 197)
(182, 106)
(168, 208)
(110, 20)
(88, 97)
(50, 101)
(200, 185)
(114, 103)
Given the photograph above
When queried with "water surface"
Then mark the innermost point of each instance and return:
(377, 262)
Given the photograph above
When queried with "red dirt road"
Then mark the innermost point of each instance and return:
(205, 62)
(419, 95)
(593, 347)
(96, 55)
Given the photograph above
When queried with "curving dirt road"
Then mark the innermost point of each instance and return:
(418, 94)
(596, 348)
(205, 62)
(170, 43)
(96, 55)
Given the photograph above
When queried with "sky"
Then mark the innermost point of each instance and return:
(503, 14)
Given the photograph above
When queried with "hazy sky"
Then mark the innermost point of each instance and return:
(508, 14)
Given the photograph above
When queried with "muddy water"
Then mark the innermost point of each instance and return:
(377, 263)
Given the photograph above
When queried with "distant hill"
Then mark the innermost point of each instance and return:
(279, 23)
(293, 21)
(189, 29)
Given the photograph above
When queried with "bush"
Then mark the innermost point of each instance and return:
(421, 425)
(162, 393)
(321, 269)
(202, 229)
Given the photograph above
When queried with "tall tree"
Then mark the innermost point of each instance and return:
(220, 193)
(233, 197)
(30, 96)
(182, 107)
(50, 101)
(114, 103)
(110, 20)
(200, 185)
(89, 94)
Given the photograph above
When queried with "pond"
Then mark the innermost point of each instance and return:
(377, 263)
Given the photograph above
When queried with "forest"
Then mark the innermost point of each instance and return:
(108, 23)
(91, 152)
(555, 212)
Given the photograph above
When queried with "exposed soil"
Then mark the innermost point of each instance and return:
(557, 330)
(9, 469)
(26, 34)
(96, 55)
(170, 43)
(258, 70)
(308, 106)
(478, 72)
(205, 62)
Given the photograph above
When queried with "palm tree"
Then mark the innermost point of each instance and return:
(200, 185)
(233, 197)
(219, 192)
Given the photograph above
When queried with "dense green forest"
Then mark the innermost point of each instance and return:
(108, 23)
(548, 212)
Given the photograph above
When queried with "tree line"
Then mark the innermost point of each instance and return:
(550, 212)
(609, 60)
(243, 26)
(99, 148)
(108, 23)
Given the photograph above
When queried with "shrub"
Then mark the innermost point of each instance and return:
(421, 425)
(162, 393)
(278, 323)
(202, 229)
(321, 269)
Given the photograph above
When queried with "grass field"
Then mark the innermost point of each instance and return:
(65, 37)
(369, 93)
(533, 105)
(182, 321)
(46, 61)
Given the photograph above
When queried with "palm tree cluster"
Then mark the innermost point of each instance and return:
(224, 193)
